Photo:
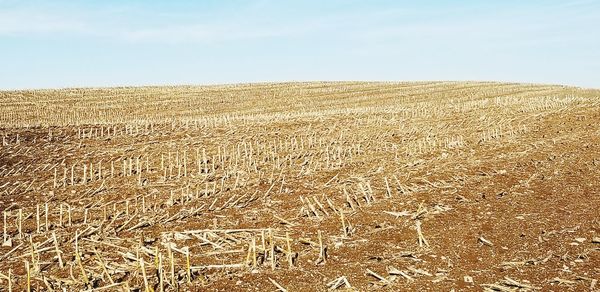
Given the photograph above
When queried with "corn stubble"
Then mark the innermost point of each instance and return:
(167, 188)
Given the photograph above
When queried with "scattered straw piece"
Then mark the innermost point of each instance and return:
(380, 278)
(485, 241)
(279, 287)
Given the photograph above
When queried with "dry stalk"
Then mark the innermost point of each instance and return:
(272, 248)
(160, 272)
(344, 227)
(322, 250)
(422, 240)
(37, 218)
(394, 271)
(289, 249)
(20, 222)
(377, 276)
(28, 276)
(339, 282)
(47, 227)
(8, 279)
(171, 265)
(485, 241)
(4, 234)
(103, 265)
(279, 287)
(143, 270)
(388, 193)
(188, 269)
(58, 252)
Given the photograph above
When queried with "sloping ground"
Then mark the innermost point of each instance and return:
(309, 186)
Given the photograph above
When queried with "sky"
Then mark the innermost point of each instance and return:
(55, 44)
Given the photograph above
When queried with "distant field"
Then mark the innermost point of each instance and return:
(301, 186)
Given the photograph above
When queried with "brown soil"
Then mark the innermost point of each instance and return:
(502, 178)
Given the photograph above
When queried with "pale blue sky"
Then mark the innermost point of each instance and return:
(47, 44)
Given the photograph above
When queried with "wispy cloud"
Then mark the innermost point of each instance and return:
(132, 23)
(255, 20)
(202, 33)
(147, 26)
(31, 22)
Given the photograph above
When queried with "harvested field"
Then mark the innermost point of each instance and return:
(316, 186)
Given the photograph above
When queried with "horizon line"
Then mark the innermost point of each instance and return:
(264, 82)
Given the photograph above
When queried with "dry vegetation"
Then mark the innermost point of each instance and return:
(301, 186)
